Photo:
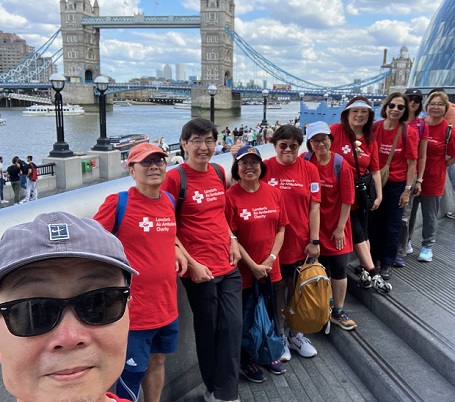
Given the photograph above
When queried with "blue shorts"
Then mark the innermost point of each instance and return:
(142, 343)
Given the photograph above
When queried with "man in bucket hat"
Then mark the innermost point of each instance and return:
(64, 291)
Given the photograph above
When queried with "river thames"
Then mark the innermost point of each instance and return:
(25, 135)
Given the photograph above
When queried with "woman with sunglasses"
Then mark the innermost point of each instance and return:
(336, 199)
(385, 225)
(439, 156)
(354, 140)
(415, 108)
(299, 183)
(257, 216)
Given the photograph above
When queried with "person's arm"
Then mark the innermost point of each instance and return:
(181, 263)
(376, 175)
(404, 198)
(259, 270)
(277, 244)
(338, 233)
(198, 272)
(450, 161)
(421, 162)
(234, 251)
(312, 250)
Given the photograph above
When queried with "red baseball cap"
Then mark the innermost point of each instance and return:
(140, 151)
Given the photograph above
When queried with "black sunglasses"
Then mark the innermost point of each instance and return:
(415, 99)
(147, 162)
(38, 315)
(284, 146)
(399, 107)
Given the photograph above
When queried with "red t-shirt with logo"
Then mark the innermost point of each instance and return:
(334, 192)
(299, 183)
(255, 219)
(399, 165)
(434, 177)
(368, 158)
(147, 233)
(203, 228)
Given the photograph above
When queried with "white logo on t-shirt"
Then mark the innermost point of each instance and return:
(146, 224)
(346, 149)
(198, 197)
(273, 182)
(314, 187)
(245, 214)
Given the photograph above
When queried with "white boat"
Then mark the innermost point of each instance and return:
(122, 103)
(49, 110)
(273, 105)
(183, 105)
(2, 121)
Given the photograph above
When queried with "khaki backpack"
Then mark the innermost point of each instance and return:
(309, 310)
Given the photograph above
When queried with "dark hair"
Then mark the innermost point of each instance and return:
(30, 157)
(198, 126)
(287, 132)
(308, 143)
(389, 99)
(235, 170)
(367, 129)
(440, 89)
(15, 159)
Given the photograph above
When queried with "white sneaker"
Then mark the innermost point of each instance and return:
(4, 202)
(302, 345)
(23, 201)
(208, 396)
(286, 356)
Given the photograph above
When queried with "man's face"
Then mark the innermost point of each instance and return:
(74, 361)
(150, 172)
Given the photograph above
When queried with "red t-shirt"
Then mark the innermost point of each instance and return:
(434, 177)
(203, 228)
(334, 192)
(368, 158)
(255, 219)
(299, 184)
(398, 166)
(419, 125)
(147, 233)
(116, 398)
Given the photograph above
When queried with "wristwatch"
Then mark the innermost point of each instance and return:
(408, 188)
(273, 256)
(419, 181)
(234, 237)
(315, 242)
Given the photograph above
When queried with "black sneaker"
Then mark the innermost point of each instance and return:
(276, 367)
(380, 285)
(252, 372)
(386, 272)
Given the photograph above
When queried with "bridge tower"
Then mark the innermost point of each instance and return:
(217, 60)
(81, 50)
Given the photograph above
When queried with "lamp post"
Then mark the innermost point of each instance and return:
(61, 148)
(265, 94)
(102, 143)
(212, 92)
(301, 96)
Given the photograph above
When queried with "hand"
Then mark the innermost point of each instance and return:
(268, 261)
(181, 263)
(312, 250)
(417, 188)
(338, 236)
(376, 204)
(200, 273)
(235, 148)
(234, 253)
(261, 271)
(404, 199)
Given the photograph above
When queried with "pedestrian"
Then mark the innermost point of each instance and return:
(64, 295)
(2, 182)
(31, 190)
(13, 174)
(147, 232)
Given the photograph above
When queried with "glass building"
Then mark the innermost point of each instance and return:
(435, 62)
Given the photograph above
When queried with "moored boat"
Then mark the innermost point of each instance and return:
(183, 105)
(125, 142)
(122, 103)
(49, 110)
(274, 105)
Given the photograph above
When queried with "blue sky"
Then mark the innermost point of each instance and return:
(328, 42)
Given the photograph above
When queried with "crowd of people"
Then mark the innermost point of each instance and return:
(220, 238)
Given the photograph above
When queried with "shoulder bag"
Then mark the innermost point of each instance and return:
(365, 190)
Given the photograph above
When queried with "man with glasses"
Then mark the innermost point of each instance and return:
(147, 231)
(64, 291)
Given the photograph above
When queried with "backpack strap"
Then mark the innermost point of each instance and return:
(307, 156)
(120, 210)
(171, 198)
(219, 173)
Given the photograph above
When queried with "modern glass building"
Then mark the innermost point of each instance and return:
(435, 62)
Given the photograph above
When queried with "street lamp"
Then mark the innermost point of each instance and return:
(265, 93)
(301, 96)
(212, 92)
(102, 143)
(61, 148)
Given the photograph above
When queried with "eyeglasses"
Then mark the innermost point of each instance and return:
(284, 146)
(415, 99)
(316, 142)
(197, 142)
(437, 104)
(399, 107)
(147, 162)
(252, 162)
(38, 315)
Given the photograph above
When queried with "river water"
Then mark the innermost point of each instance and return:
(26, 135)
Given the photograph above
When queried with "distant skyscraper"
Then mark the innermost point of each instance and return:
(159, 73)
(180, 72)
(167, 72)
(13, 49)
(434, 65)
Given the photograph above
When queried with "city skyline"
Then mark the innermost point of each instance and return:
(332, 42)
